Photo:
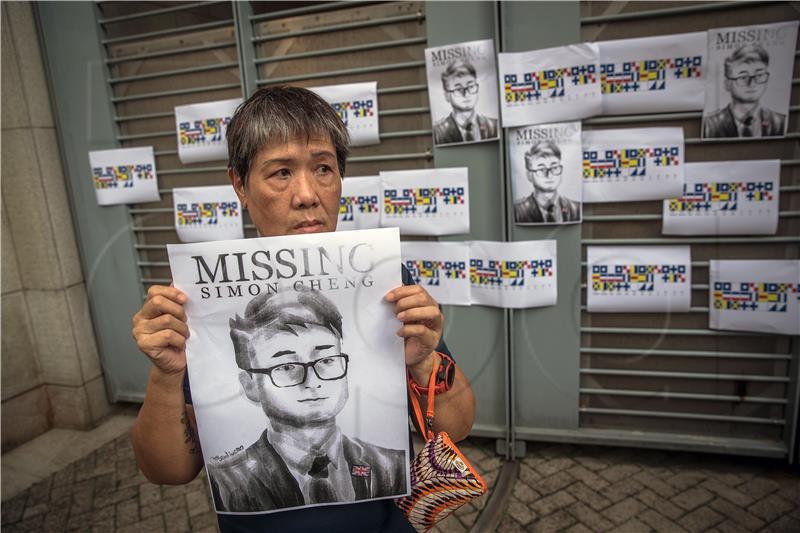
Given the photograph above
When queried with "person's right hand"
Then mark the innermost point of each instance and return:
(160, 328)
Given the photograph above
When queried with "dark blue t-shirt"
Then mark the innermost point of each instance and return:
(377, 516)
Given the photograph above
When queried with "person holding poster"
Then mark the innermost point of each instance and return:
(287, 155)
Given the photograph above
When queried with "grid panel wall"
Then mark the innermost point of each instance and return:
(669, 373)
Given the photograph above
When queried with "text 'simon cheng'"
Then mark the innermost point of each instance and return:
(243, 274)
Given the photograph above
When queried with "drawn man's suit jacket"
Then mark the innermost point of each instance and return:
(446, 130)
(722, 125)
(259, 480)
(527, 210)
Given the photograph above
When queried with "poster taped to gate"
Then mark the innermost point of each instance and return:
(359, 206)
(726, 198)
(202, 130)
(638, 279)
(357, 106)
(124, 175)
(207, 213)
(298, 379)
(755, 295)
(442, 268)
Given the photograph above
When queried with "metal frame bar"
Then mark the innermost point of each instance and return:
(177, 72)
(155, 12)
(343, 50)
(654, 117)
(344, 72)
(190, 170)
(165, 33)
(177, 92)
(339, 27)
(687, 353)
(152, 55)
(788, 136)
(248, 72)
(686, 416)
(683, 396)
(668, 12)
(402, 89)
(658, 331)
(694, 240)
(642, 217)
(319, 8)
(683, 375)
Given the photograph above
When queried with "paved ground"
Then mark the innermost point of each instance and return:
(560, 487)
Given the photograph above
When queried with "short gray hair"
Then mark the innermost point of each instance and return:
(749, 53)
(274, 115)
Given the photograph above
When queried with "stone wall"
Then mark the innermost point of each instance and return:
(51, 373)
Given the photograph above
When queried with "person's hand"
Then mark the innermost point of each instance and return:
(422, 327)
(160, 328)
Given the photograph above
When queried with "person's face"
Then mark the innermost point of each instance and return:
(457, 93)
(292, 188)
(312, 401)
(751, 91)
(540, 173)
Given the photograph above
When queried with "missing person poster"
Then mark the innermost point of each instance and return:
(552, 85)
(124, 175)
(461, 89)
(749, 81)
(201, 130)
(755, 295)
(654, 279)
(207, 213)
(726, 198)
(630, 165)
(653, 74)
(431, 201)
(357, 106)
(546, 173)
(513, 274)
(298, 379)
(442, 268)
(359, 206)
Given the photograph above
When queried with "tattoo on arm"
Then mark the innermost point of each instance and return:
(189, 435)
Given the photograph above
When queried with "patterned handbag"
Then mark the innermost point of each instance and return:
(442, 479)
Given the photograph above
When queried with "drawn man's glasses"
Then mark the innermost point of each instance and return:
(328, 368)
(555, 170)
(744, 80)
(472, 88)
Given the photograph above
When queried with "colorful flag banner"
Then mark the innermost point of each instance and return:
(431, 201)
(546, 171)
(442, 268)
(201, 130)
(726, 198)
(653, 74)
(357, 106)
(124, 175)
(630, 165)
(513, 274)
(293, 336)
(360, 206)
(461, 89)
(638, 279)
(755, 295)
(552, 85)
(207, 213)
(749, 81)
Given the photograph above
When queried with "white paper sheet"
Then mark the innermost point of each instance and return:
(207, 213)
(442, 268)
(546, 149)
(513, 274)
(202, 129)
(426, 202)
(653, 74)
(762, 57)
(347, 273)
(630, 165)
(726, 198)
(551, 85)
(755, 295)
(456, 112)
(357, 106)
(360, 207)
(638, 279)
(124, 175)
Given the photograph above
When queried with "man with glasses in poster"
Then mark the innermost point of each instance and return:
(463, 124)
(545, 205)
(746, 78)
(289, 349)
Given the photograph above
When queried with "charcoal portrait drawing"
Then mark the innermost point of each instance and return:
(288, 347)
(546, 204)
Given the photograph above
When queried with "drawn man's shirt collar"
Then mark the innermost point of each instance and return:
(753, 119)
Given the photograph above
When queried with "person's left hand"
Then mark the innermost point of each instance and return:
(422, 324)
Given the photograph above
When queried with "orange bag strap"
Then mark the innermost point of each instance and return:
(425, 424)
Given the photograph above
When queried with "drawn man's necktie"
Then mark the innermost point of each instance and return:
(469, 133)
(320, 489)
(747, 131)
(551, 215)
